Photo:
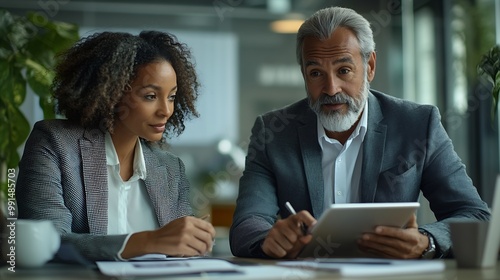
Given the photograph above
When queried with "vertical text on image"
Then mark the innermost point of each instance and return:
(11, 194)
(11, 217)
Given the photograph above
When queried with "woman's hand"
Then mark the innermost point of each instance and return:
(186, 236)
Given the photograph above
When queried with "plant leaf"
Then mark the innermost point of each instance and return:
(48, 106)
(4, 130)
(495, 91)
(26, 48)
(6, 21)
(12, 84)
(39, 77)
(18, 129)
(19, 126)
(490, 63)
(56, 36)
(489, 66)
(18, 32)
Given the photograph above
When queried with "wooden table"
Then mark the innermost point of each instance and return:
(72, 272)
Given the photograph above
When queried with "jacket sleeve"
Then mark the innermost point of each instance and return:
(256, 206)
(445, 183)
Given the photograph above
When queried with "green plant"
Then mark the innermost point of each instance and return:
(489, 66)
(28, 46)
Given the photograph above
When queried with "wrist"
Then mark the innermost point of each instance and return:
(430, 251)
(137, 245)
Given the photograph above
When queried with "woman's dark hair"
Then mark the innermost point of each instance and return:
(92, 75)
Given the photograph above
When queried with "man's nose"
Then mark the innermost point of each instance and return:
(331, 85)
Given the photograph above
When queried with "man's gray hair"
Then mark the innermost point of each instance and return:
(324, 22)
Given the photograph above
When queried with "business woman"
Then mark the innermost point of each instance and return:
(101, 175)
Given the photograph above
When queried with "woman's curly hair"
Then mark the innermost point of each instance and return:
(92, 75)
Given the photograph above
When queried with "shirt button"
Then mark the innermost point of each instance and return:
(339, 193)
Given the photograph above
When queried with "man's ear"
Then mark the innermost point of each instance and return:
(371, 66)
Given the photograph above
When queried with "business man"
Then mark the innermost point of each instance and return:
(346, 143)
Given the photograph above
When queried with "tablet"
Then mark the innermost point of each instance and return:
(339, 227)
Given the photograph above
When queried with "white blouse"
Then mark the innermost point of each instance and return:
(129, 206)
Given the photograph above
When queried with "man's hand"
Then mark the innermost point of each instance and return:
(286, 239)
(396, 243)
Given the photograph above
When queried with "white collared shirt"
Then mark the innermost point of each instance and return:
(342, 163)
(129, 206)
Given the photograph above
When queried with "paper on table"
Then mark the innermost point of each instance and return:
(174, 267)
(159, 257)
(269, 272)
(368, 267)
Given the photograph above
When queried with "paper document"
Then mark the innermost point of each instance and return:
(159, 257)
(272, 272)
(368, 267)
(168, 267)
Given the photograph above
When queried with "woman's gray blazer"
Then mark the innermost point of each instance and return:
(63, 178)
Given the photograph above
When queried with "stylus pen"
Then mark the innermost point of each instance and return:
(303, 226)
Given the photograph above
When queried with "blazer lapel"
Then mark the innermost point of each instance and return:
(95, 180)
(373, 151)
(157, 185)
(311, 155)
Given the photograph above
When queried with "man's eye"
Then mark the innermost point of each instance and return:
(344, 71)
(314, 73)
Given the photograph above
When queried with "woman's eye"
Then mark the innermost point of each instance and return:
(150, 96)
(171, 97)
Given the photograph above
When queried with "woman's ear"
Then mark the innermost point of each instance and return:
(127, 88)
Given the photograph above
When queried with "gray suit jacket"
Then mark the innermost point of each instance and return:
(406, 150)
(63, 178)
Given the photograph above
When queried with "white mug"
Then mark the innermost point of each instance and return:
(36, 242)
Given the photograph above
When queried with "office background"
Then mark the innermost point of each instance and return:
(427, 51)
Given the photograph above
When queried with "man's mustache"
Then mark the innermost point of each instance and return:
(339, 98)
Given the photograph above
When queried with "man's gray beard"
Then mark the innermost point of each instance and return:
(334, 120)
